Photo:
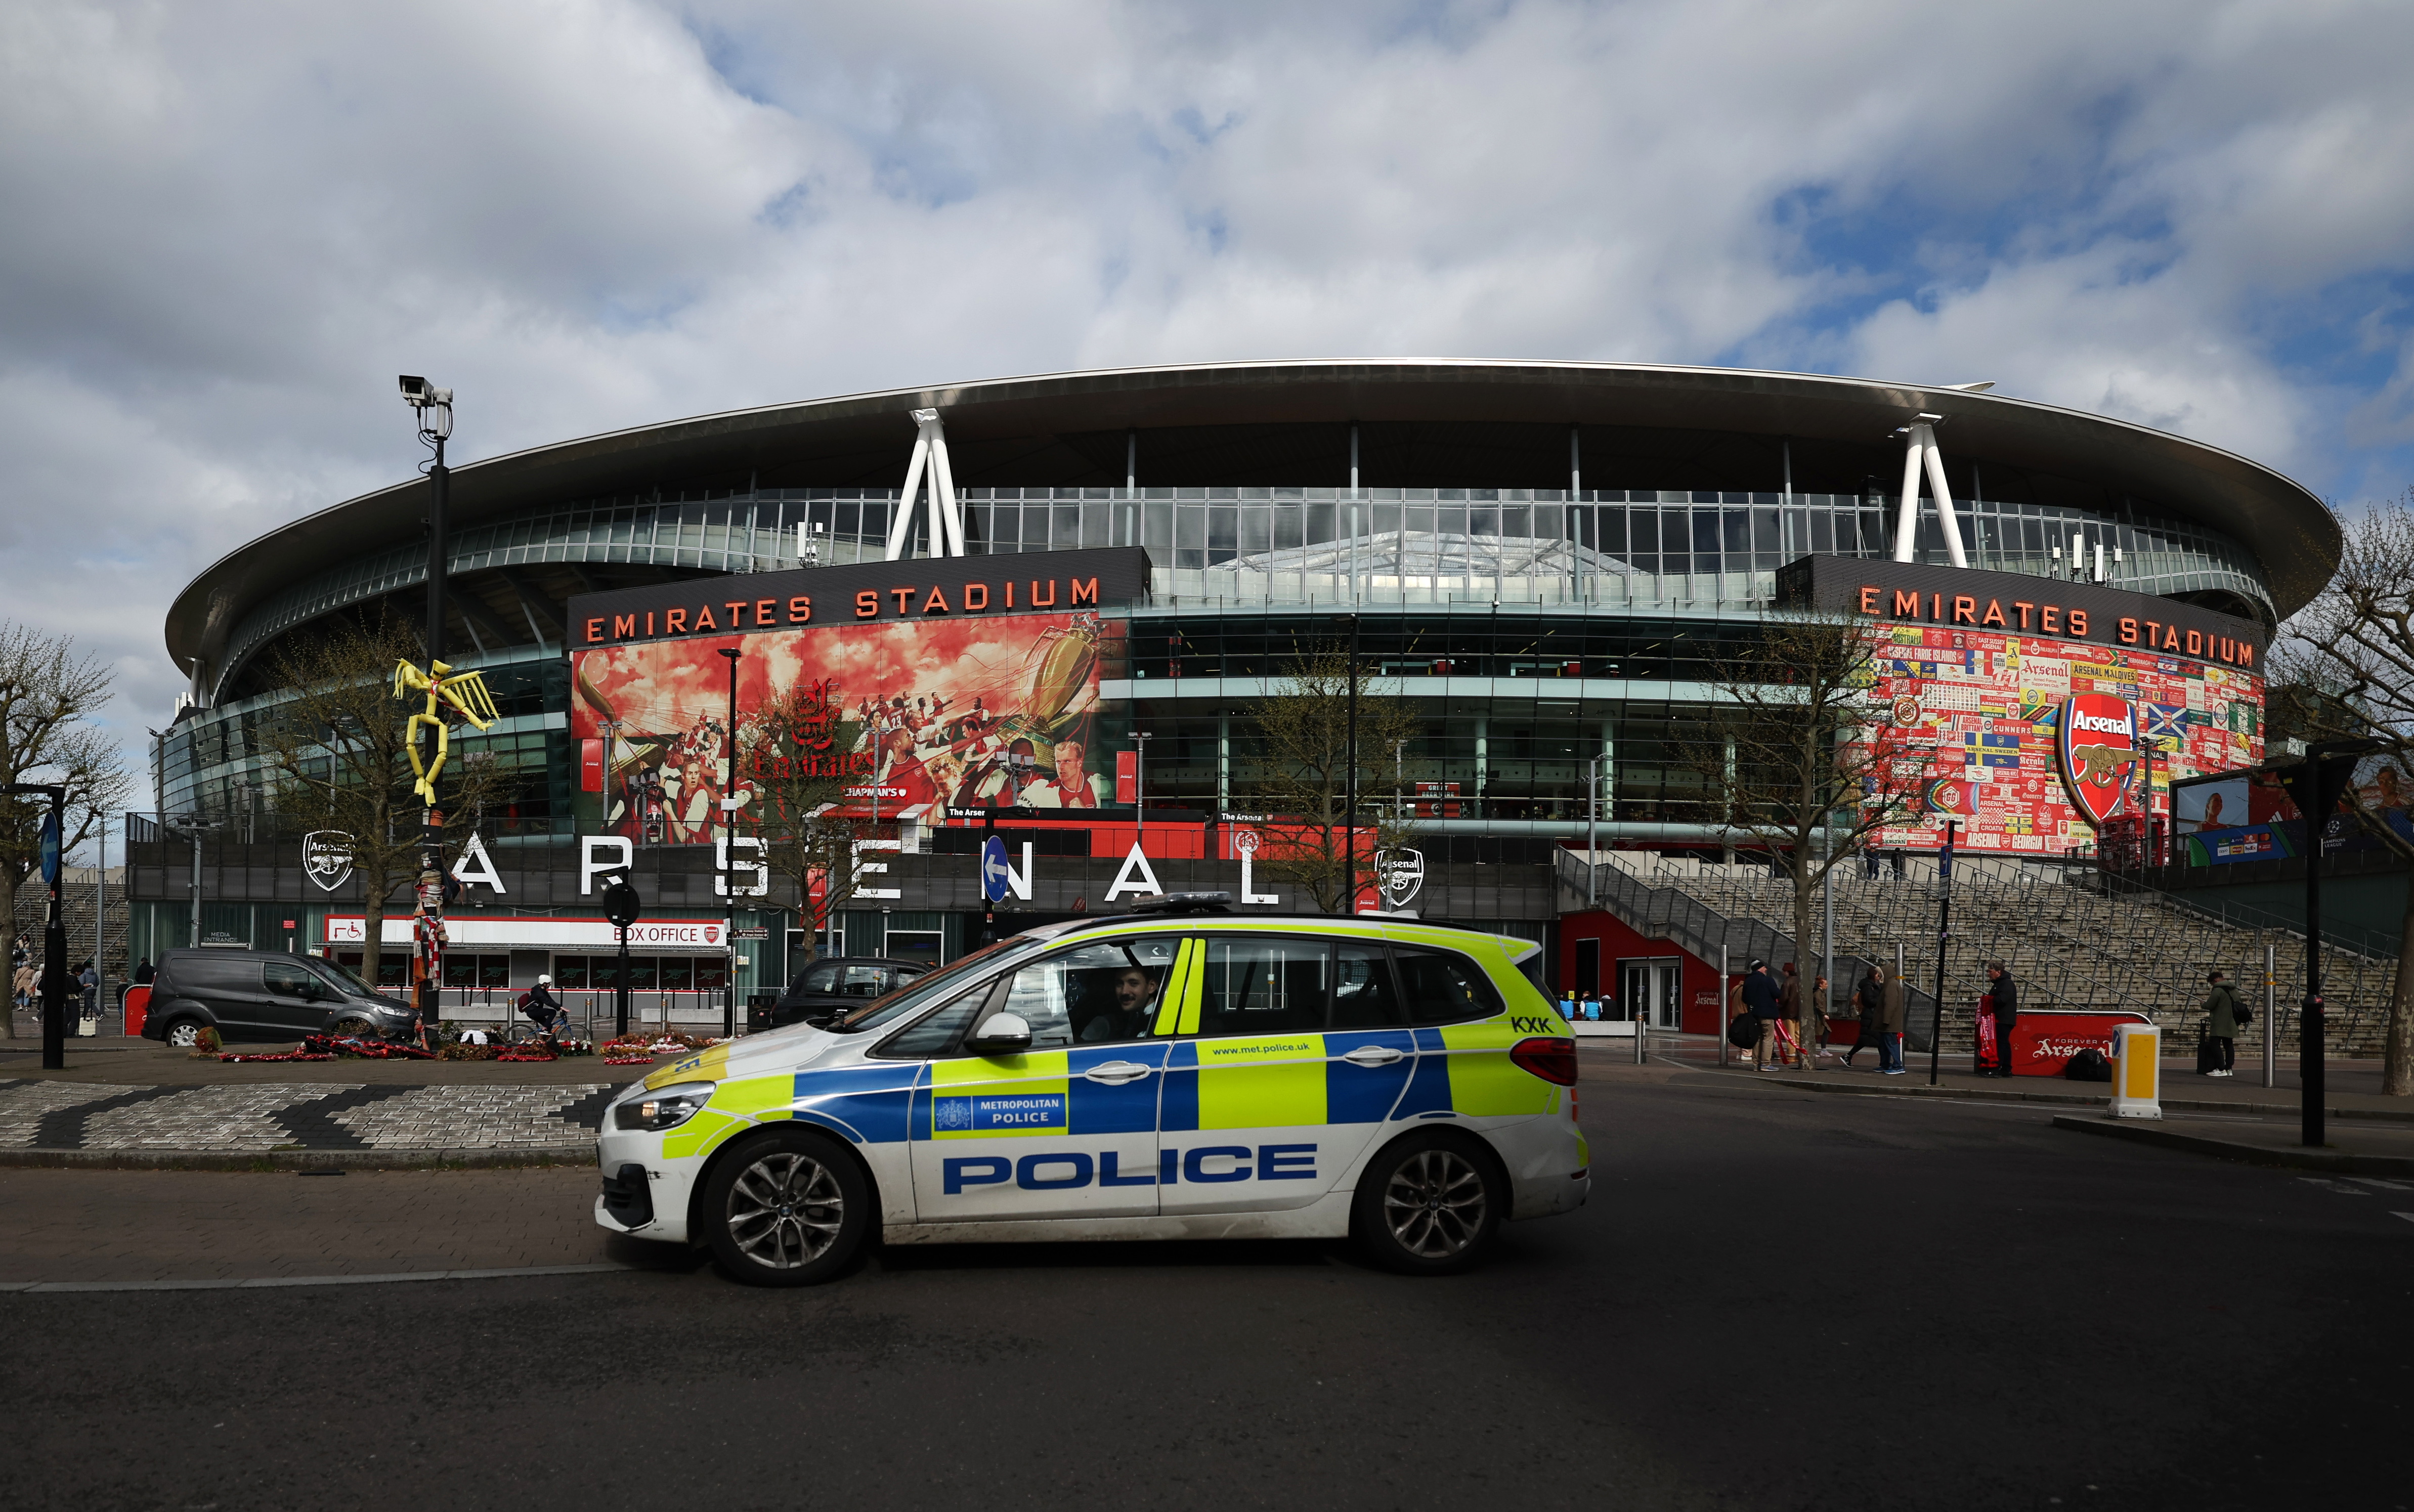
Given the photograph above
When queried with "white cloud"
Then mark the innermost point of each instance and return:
(231, 225)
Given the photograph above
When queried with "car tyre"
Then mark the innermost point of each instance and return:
(184, 1033)
(785, 1207)
(1429, 1204)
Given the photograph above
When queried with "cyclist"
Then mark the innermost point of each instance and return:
(544, 1009)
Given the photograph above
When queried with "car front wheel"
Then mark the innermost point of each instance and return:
(184, 1033)
(1429, 1204)
(788, 1207)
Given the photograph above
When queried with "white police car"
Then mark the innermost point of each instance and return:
(1152, 1075)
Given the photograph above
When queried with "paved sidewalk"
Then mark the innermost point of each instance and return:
(139, 1062)
(2353, 1147)
(63, 1122)
(170, 1226)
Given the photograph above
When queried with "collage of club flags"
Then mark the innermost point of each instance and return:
(1976, 717)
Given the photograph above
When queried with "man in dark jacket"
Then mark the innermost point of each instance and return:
(2221, 1024)
(2004, 1003)
(1864, 1005)
(1890, 1022)
(1760, 995)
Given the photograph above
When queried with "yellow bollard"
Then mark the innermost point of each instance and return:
(2137, 1071)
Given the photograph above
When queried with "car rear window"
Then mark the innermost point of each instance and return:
(1443, 986)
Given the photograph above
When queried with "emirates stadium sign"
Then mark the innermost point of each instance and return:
(2101, 760)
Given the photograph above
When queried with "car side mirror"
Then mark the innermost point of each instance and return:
(1001, 1034)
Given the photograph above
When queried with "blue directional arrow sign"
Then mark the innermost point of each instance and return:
(995, 870)
(51, 850)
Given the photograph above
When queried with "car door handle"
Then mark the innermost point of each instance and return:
(1116, 1073)
(1372, 1055)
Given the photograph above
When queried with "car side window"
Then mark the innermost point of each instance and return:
(863, 982)
(1364, 994)
(937, 1033)
(819, 979)
(1268, 985)
(1442, 986)
(286, 980)
(1100, 993)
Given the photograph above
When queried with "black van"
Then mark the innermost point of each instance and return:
(264, 994)
(833, 986)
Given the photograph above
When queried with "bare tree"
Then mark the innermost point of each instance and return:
(2345, 671)
(1303, 775)
(795, 756)
(339, 754)
(1795, 754)
(48, 697)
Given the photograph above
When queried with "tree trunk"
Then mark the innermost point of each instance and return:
(8, 912)
(2397, 1063)
(372, 934)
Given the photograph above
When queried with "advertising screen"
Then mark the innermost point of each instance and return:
(1976, 717)
(989, 712)
(2248, 816)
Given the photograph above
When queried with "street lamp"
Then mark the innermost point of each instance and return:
(432, 408)
(728, 845)
(55, 928)
(1350, 800)
(2315, 785)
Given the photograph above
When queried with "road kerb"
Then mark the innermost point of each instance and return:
(488, 1158)
(264, 1282)
(2144, 1131)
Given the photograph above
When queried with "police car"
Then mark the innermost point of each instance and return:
(1180, 1073)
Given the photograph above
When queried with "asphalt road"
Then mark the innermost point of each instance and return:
(1773, 1300)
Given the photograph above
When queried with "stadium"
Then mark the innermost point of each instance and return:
(1542, 559)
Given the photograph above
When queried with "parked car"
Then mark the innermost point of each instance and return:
(837, 984)
(264, 994)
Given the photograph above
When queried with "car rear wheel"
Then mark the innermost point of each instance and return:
(1429, 1204)
(788, 1207)
(184, 1033)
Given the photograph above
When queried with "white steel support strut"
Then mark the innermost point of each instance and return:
(1920, 453)
(946, 523)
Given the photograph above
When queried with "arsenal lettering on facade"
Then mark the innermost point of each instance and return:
(867, 593)
(2015, 604)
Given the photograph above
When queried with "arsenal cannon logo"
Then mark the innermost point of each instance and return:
(2101, 759)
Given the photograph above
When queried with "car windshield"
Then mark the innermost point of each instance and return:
(931, 987)
(344, 977)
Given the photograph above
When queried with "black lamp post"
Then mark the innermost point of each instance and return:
(1349, 799)
(54, 930)
(2315, 785)
(621, 906)
(433, 409)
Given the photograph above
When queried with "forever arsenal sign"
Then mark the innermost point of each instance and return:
(2099, 753)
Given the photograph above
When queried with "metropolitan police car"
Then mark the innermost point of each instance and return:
(1160, 1074)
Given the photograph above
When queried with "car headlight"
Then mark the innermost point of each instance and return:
(666, 1108)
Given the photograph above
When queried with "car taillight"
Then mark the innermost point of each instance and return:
(1554, 1060)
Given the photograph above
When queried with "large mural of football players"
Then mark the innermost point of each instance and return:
(981, 712)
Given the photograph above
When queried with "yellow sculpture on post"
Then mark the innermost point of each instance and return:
(465, 693)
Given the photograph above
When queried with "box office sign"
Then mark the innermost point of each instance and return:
(654, 935)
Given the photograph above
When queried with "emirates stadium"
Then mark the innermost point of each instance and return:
(1049, 604)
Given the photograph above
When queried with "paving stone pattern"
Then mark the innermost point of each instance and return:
(49, 1115)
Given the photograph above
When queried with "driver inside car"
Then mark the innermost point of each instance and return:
(1135, 1004)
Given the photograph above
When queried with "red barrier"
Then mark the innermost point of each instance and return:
(2044, 1039)
(137, 1008)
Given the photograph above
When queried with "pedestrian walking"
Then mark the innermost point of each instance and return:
(1760, 995)
(1864, 1009)
(24, 982)
(1790, 1004)
(1814, 1021)
(2004, 1003)
(89, 979)
(1890, 1020)
(2221, 1017)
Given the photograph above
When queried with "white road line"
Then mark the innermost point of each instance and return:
(257, 1283)
(2408, 1217)
(2376, 1181)
(2340, 1187)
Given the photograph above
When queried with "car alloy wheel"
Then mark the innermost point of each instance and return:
(789, 1206)
(785, 1211)
(184, 1034)
(1436, 1205)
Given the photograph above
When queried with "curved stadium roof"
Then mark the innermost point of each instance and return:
(1425, 422)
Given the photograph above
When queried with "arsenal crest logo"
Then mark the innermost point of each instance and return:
(2100, 755)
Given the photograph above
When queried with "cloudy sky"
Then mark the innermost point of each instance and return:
(228, 226)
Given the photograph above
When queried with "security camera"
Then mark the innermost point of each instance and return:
(414, 389)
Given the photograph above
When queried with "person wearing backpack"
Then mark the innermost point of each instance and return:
(542, 1008)
(2222, 1016)
(1760, 995)
(2004, 1005)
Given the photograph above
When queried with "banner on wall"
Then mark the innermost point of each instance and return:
(997, 711)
